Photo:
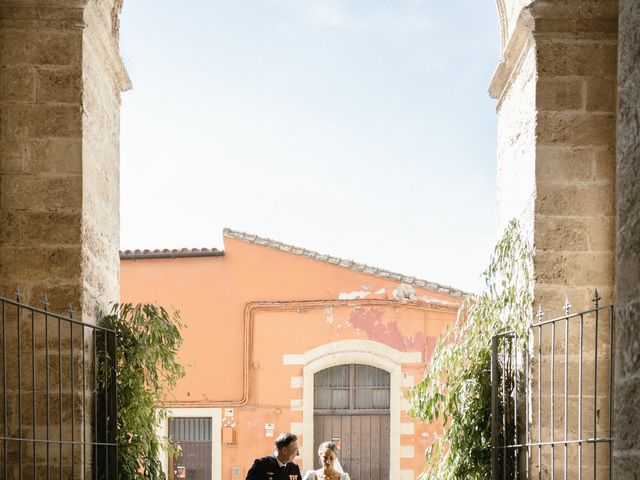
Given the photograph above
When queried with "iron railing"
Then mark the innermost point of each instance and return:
(58, 396)
(552, 397)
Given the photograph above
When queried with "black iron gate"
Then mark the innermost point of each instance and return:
(58, 396)
(552, 397)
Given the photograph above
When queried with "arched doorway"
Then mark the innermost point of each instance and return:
(352, 406)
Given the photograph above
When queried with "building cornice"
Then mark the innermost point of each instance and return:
(519, 42)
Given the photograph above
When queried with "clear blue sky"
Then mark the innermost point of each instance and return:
(358, 128)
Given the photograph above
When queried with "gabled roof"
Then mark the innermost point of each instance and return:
(342, 262)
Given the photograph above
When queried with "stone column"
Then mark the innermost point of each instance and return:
(555, 87)
(60, 83)
(627, 393)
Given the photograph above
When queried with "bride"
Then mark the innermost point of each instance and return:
(331, 468)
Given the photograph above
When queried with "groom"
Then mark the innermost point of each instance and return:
(279, 465)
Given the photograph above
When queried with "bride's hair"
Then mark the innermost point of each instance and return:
(328, 446)
(324, 446)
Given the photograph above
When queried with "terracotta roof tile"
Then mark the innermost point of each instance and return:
(167, 253)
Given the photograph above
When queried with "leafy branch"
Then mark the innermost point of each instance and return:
(148, 341)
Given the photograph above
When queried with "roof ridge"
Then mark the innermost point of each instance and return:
(170, 253)
(342, 262)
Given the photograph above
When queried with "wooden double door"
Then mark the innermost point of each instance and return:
(351, 407)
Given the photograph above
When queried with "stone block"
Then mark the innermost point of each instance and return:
(574, 268)
(67, 16)
(575, 128)
(41, 192)
(560, 233)
(60, 295)
(10, 227)
(604, 165)
(40, 47)
(628, 263)
(56, 121)
(627, 408)
(51, 227)
(56, 155)
(628, 138)
(576, 28)
(559, 94)
(552, 297)
(574, 200)
(17, 84)
(585, 10)
(601, 94)
(569, 164)
(14, 154)
(596, 58)
(628, 340)
(602, 233)
(59, 85)
(629, 197)
(629, 12)
(38, 264)
(33, 120)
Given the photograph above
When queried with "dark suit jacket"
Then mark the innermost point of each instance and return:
(267, 468)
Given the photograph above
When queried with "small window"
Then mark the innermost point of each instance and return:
(190, 429)
(351, 387)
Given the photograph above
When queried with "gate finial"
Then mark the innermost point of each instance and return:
(596, 298)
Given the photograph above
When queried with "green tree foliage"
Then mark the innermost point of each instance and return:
(456, 389)
(148, 341)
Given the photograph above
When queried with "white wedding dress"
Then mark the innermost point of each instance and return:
(337, 466)
(311, 475)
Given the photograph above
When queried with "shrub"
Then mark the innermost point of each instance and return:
(146, 366)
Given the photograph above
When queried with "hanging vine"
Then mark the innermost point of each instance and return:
(456, 389)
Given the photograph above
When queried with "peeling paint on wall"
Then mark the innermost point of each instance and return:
(371, 321)
(328, 311)
(353, 295)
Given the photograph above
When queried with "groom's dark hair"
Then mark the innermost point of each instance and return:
(284, 440)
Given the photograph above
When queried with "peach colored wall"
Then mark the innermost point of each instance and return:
(248, 308)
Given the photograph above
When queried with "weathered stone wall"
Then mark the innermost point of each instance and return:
(575, 151)
(103, 77)
(627, 393)
(60, 79)
(556, 102)
(41, 155)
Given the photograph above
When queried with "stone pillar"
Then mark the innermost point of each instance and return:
(555, 87)
(60, 84)
(556, 144)
(627, 393)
